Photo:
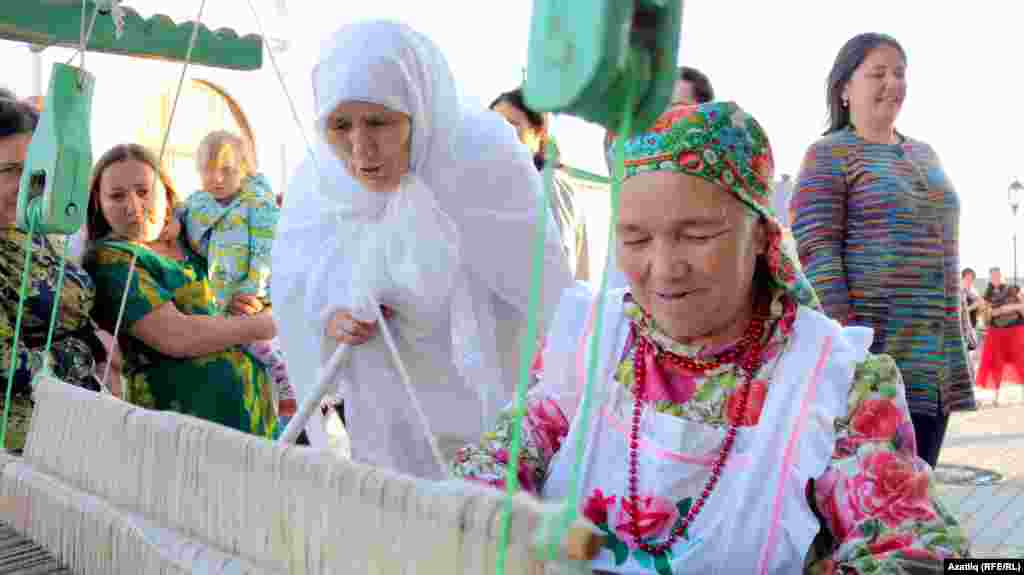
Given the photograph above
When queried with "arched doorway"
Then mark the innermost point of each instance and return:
(200, 111)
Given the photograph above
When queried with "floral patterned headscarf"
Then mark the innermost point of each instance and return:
(724, 145)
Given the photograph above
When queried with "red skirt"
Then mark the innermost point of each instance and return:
(1002, 357)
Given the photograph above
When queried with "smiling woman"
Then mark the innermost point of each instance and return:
(877, 223)
(692, 263)
(701, 456)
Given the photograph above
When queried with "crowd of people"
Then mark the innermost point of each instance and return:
(767, 398)
(994, 326)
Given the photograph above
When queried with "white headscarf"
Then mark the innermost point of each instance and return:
(458, 231)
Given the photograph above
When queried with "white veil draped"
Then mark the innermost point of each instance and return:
(454, 239)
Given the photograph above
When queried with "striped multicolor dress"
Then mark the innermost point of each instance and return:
(877, 228)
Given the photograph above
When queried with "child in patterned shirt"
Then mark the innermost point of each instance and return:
(231, 223)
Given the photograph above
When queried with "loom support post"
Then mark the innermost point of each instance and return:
(313, 399)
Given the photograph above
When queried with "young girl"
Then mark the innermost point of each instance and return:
(231, 223)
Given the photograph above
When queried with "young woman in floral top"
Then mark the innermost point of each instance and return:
(735, 428)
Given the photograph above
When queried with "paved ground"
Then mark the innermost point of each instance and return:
(991, 439)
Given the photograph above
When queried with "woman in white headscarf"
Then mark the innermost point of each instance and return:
(427, 209)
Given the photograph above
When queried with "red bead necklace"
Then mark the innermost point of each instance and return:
(746, 354)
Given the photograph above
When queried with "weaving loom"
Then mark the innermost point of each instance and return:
(161, 493)
(20, 556)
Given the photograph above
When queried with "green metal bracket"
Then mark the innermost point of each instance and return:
(583, 55)
(54, 187)
(59, 22)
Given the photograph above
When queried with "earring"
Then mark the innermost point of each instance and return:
(846, 102)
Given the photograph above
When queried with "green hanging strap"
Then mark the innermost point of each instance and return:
(571, 509)
(52, 189)
(13, 359)
(56, 307)
(527, 349)
(22, 297)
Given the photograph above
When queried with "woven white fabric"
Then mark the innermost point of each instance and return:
(158, 492)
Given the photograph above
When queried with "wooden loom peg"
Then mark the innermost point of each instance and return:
(583, 544)
(580, 542)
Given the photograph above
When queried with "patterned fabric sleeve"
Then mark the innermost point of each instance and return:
(29, 360)
(544, 429)
(877, 499)
(144, 295)
(262, 213)
(71, 357)
(818, 212)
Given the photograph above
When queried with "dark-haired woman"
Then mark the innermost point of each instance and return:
(179, 355)
(532, 128)
(75, 345)
(876, 220)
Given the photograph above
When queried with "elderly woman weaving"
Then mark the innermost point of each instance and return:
(735, 429)
(426, 208)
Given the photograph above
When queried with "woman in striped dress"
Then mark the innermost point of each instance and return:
(532, 129)
(876, 221)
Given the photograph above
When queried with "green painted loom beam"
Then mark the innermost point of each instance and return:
(58, 22)
(54, 189)
(583, 55)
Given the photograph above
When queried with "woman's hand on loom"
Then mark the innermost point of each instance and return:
(245, 304)
(347, 329)
(328, 403)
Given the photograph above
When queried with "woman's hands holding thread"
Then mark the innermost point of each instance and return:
(342, 326)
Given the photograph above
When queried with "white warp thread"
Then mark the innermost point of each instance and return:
(204, 487)
(407, 383)
(92, 536)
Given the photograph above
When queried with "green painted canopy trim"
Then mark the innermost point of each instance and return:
(58, 23)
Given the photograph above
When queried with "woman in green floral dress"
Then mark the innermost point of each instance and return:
(71, 356)
(178, 355)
